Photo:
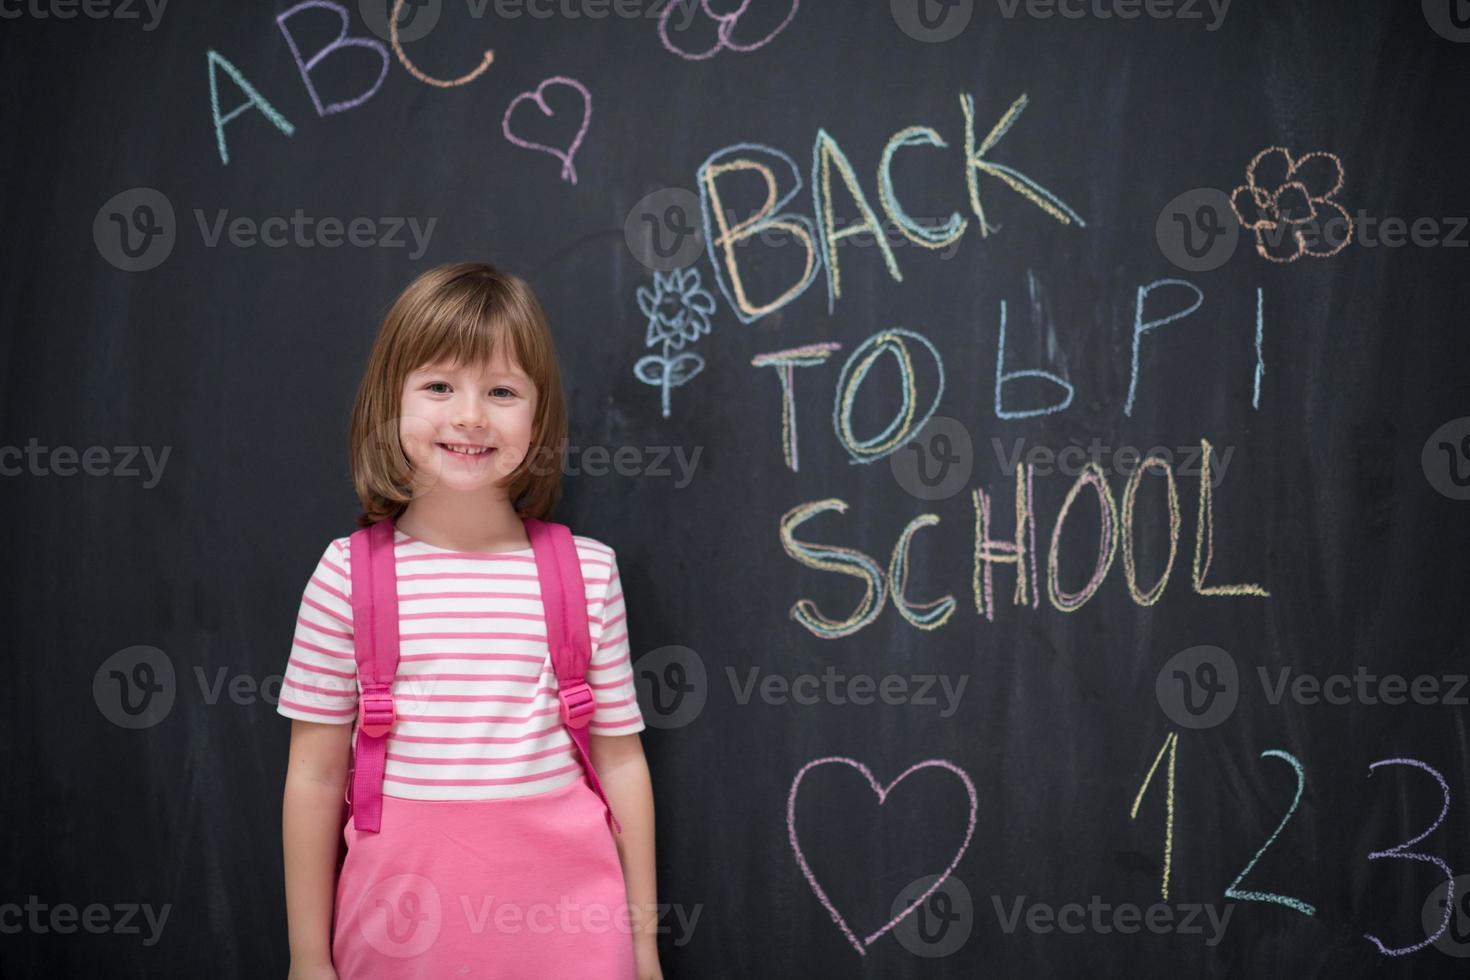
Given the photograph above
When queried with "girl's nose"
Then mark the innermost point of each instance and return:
(470, 412)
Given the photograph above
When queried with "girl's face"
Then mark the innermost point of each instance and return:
(466, 427)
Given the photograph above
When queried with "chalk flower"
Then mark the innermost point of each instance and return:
(678, 310)
(1288, 204)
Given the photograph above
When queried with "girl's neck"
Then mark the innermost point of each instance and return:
(462, 525)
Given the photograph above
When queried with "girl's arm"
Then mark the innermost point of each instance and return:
(623, 772)
(311, 830)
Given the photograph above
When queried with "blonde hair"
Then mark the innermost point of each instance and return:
(464, 312)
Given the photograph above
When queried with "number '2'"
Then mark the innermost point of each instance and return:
(1295, 903)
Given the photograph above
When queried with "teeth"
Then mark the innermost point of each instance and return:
(466, 450)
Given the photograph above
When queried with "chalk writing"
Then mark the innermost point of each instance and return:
(1401, 851)
(1170, 746)
(1244, 896)
(727, 24)
(253, 100)
(903, 423)
(414, 69)
(882, 793)
(339, 43)
(785, 362)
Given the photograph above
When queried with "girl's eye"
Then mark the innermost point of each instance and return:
(508, 392)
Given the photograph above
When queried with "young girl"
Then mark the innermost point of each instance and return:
(494, 856)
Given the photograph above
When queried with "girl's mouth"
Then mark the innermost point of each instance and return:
(465, 451)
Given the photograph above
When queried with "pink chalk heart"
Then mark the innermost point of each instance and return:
(568, 172)
(882, 791)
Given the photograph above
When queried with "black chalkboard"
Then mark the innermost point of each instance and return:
(1229, 238)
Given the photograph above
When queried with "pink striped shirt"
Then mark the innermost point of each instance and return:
(475, 694)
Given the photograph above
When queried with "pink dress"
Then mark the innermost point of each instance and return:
(526, 888)
(494, 858)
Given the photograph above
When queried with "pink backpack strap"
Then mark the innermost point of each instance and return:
(375, 645)
(564, 598)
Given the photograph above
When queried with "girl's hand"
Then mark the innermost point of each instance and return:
(315, 970)
(645, 955)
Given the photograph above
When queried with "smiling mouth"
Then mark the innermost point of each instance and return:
(465, 450)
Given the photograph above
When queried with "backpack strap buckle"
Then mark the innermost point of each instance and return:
(375, 714)
(577, 704)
